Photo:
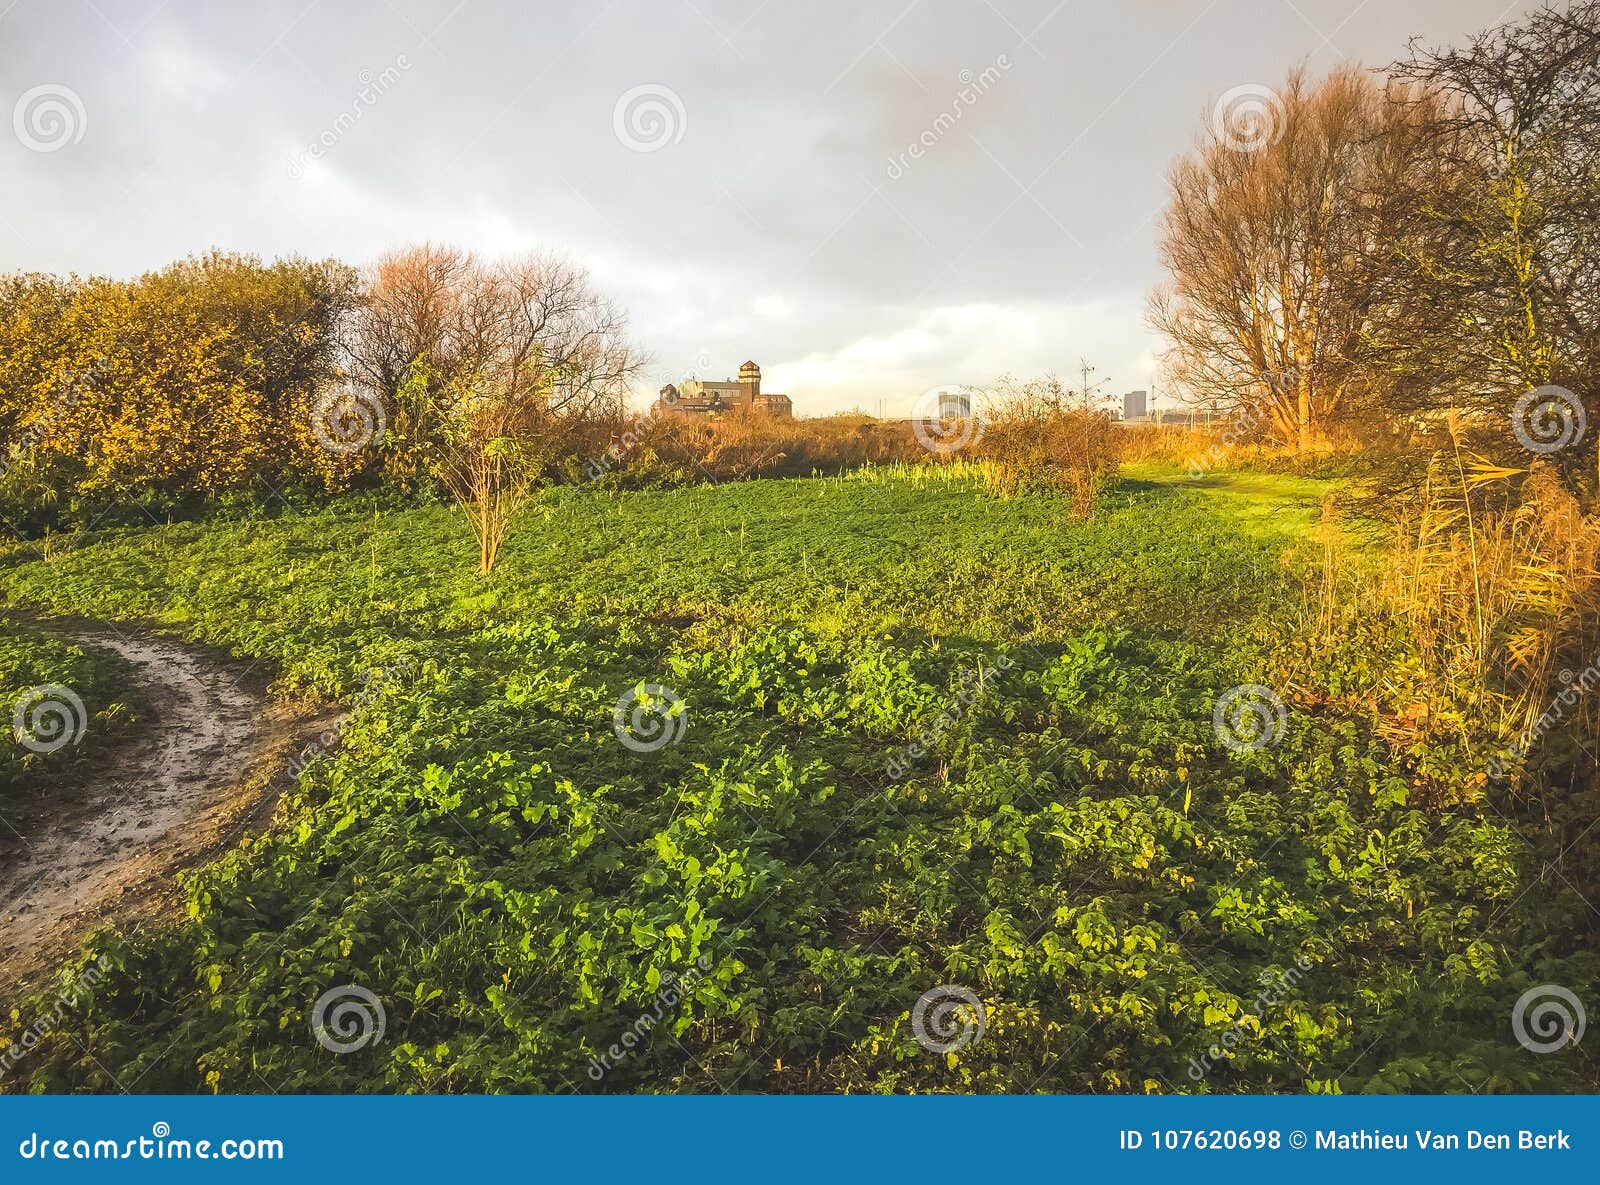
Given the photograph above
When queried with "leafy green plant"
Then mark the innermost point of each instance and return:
(760, 904)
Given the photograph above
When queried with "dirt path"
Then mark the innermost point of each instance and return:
(199, 775)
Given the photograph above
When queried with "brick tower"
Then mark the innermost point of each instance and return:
(749, 384)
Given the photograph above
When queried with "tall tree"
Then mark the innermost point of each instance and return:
(1269, 252)
(486, 366)
(1495, 288)
(437, 323)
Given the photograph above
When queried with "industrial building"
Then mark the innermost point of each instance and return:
(701, 397)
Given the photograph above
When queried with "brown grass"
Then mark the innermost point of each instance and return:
(1491, 577)
(1032, 438)
(741, 445)
(1039, 435)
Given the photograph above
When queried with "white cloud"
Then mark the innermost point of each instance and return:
(774, 306)
(768, 232)
(182, 74)
(966, 344)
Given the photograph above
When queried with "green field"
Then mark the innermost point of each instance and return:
(924, 737)
(34, 666)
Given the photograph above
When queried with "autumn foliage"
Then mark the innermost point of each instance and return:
(194, 380)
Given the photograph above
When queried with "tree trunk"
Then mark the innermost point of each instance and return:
(1307, 430)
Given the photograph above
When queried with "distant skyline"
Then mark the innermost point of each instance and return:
(909, 195)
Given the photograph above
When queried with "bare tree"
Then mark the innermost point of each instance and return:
(488, 368)
(404, 341)
(1495, 288)
(1269, 253)
(562, 340)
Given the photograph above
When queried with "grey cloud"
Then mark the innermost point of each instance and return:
(771, 228)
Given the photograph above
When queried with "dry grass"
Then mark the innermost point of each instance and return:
(1500, 596)
(744, 444)
(1032, 437)
(1491, 578)
(1235, 445)
(1038, 435)
(1175, 444)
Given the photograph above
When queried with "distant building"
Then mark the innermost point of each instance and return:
(955, 405)
(698, 397)
(1136, 411)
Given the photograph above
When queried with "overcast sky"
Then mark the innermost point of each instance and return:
(738, 175)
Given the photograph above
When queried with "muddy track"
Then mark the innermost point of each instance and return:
(202, 771)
